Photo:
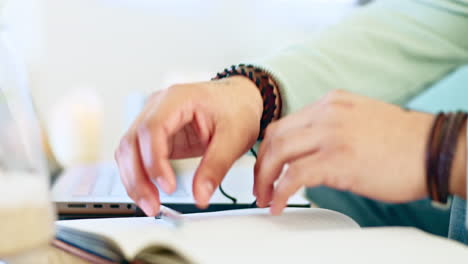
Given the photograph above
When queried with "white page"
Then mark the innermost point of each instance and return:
(252, 220)
(237, 237)
(368, 245)
(134, 234)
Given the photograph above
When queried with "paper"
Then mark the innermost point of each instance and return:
(299, 236)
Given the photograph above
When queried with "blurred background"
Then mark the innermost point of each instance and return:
(105, 55)
(122, 49)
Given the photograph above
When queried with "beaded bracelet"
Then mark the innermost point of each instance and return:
(267, 87)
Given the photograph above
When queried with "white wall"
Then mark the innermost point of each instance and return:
(120, 46)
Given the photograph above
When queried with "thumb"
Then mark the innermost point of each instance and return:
(223, 150)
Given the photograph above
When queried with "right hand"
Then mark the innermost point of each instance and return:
(219, 120)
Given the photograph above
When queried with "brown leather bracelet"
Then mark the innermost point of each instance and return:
(447, 151)
(268, 89)
(441, 148)
(433, 148)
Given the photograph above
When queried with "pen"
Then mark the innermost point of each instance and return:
(170, 215)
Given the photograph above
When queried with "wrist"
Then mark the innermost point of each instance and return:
(266, 86)
(248, 92)
(421, 123)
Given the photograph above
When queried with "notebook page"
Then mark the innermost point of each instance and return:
(292, 220)
(368, 245)
(228, 231)
(131, 234)
(137, 233)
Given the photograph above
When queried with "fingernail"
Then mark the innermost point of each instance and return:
(206, 190)
(162, 183)
(147, 207)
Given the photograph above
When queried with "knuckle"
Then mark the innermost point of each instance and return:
(330, 96)
(293, 172)
(177, 87)
(143, 128)
(279, 145)
(336, 94)
(271, 130)
(125, 144)
(151, 127)
(155, 95)
(335, 114)
(334, 98)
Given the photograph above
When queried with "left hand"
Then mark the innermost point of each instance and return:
(347, 142)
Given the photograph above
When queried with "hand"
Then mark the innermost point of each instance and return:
(219, 120)
(347, 142)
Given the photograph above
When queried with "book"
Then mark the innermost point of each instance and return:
(251, 236)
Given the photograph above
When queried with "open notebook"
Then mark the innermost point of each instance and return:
(253, 236)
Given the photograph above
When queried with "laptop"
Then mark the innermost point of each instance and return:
(95, 190)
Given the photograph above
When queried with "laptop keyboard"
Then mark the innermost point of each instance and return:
(106, 182)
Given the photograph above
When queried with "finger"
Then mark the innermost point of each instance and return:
(304, 171)
(287, 185)
(222, 152)
(190, 141)
(134, 178)
(154, 138)
(268, 196)
(282, 126)
(278, 151)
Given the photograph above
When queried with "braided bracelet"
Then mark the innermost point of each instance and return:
(267, 87)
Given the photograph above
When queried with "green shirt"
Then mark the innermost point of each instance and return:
(389, 50)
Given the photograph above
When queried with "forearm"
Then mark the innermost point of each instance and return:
(391, 51)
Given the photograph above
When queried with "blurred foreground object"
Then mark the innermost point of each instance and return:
(26, 215)
(75, 128)
(52, 163)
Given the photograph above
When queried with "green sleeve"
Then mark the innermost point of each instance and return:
(390, 50)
